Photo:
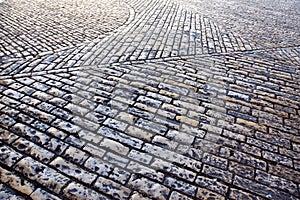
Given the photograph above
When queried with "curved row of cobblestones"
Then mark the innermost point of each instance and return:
(166, 29)
(32, 28)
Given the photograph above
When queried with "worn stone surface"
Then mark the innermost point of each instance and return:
(64, 22)
(16, 182)
(42, 194)
(163, 99)
(146, 186)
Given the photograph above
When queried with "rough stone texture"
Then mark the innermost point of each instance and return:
(67, 23)
(8, 193)
(117, 191)
(72, 170)
(41, 194)
(146, 186)
(16, 182)
(203, 193)
(77, 191)
(163, 99)
(44, 175)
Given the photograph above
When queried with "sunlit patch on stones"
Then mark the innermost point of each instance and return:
(149, 109)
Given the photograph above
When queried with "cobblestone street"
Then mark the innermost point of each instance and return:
(150, 99)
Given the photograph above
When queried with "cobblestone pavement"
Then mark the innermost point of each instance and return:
(155, 100)
(266, 24)
(44, 27)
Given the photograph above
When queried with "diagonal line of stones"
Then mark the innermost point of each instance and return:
(209, 86)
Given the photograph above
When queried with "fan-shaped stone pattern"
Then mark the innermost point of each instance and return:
(29, 28)
(265, 24)
(165, 28)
